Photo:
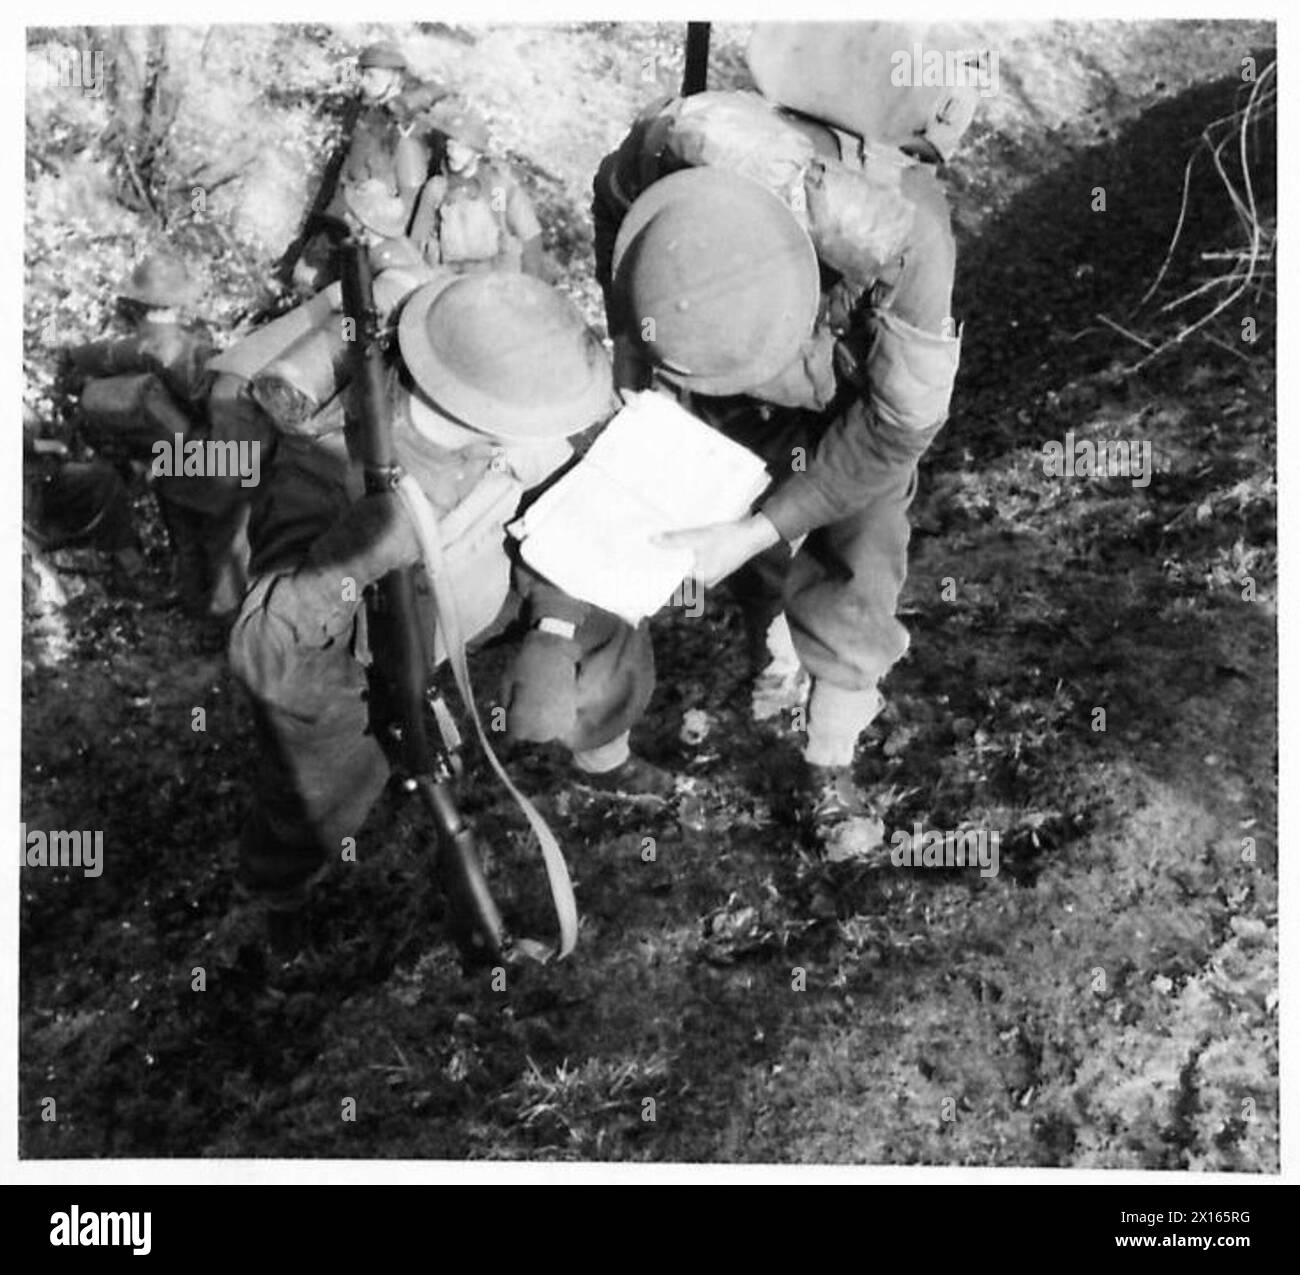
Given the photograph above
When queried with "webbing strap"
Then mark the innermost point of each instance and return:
(448, 618)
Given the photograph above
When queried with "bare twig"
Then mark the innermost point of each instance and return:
(1132, 336)
(1250, 265)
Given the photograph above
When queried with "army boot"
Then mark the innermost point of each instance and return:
(841, 820)
(613, 769)
(634, 777)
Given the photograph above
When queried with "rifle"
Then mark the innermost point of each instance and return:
(398, 677)
(695, 78)
(315, 219)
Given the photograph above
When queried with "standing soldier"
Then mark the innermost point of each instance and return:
(382, 142)
(472, 214)
(386, 143)
(495, 373)
(798, 296)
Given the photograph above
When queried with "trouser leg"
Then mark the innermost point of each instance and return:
(615, 679)
(189, 565)
(841, 595)
(227, 552)
(318, 777)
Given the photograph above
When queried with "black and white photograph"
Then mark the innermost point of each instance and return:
(640, 592)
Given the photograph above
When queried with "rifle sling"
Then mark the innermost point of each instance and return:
(448, 619)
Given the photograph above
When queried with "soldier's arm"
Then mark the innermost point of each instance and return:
(114, 357)
(314, 555)
(424, 224)
(522, 223)
(181, 359)
(545, 602)
(910, 371)
(419, 95)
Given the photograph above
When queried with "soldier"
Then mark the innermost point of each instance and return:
(472, 214)
(385, 143)
(154, 302)
(495, 372)
(153, 385)
(149, 386)
(832, 355)
(382, 142)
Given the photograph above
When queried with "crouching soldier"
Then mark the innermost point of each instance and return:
(148, 387)
(494, 373)
(797, 294)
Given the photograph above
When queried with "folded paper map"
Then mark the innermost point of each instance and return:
(654, 468)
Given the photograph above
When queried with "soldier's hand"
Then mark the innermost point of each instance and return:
(722, 547)
(541, 689)
(374, 537)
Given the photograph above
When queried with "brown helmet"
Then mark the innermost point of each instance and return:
(717, 278)
(505, 354)
(162, 282)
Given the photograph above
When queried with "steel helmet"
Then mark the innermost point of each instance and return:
(161, 281)
(460, 124)
(716, 279)
(506, 354)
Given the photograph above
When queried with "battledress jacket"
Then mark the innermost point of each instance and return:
(178, 355)
(372, 149)
(877, 422)
(300, 647)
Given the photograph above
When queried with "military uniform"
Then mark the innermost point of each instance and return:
(300, 643)
(385, 143)
(477, 218)
(842, 422)
(375, 149)
(477, 221)
(69, 502)
(152, 385)
(177, 354)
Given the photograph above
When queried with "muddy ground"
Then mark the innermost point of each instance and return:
(1108, 999)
